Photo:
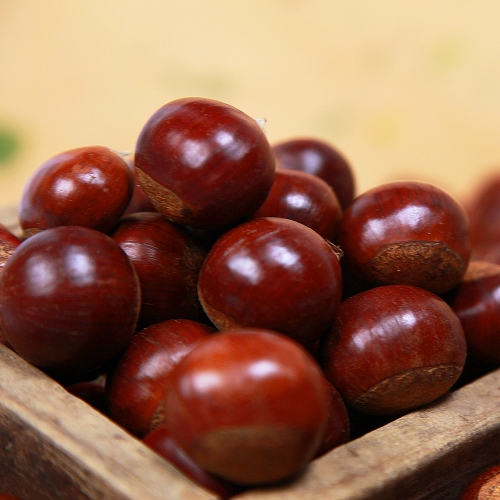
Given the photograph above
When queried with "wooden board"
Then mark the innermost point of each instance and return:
(54, 446)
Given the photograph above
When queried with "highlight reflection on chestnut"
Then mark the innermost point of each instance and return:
(272, 273)
(248, 405)
(406, 232)
(393, 348)
(137, 383)
(69, 299)
(304, 198)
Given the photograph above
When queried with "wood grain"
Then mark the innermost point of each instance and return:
(55, 447)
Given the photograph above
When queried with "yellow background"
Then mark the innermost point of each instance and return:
(402, 88)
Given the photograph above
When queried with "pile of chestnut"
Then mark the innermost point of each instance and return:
(233, 303)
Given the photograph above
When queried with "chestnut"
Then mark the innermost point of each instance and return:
(393, 348)
(160, 441)
(89, 186)
(304, 198)
(483, 209)
(272, 273)
(69, 299)
(93, 392)
(338, 426)
(484, 486)
(167, 261)
(406, 232)
(137, 382)
(248, 405)
(476, 302)
(319, 158)
(8, 243)
(139, 202)
(204, 163)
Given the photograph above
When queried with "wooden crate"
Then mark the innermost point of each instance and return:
(54, 446)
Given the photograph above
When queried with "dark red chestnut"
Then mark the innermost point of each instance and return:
(272, 273)
(393, 348)
(406, 232)
(486, 486)
(204, 163)
(160, 441)
(248, 405)
(483, 209)
(304, 198)
(137, 383)
(69, 299)
(338, 426)
(476, 302)
(8, 243)
(88, 186)
(167, 261)
(139, 201)
(93, 392)
(321, 159)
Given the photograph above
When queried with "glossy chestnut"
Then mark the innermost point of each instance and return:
(406, 232)
(8, 243)
(338, 426)
(93, 392)
(248, 405)
(393, 348)
(167, 261)
(483, 209)
(484, 487)
(272, 273)
(89, 186)
(69, 299)
(304, 198)
(204, 163)
(319, 158)
(137, 382)
(476, 302)
(160, 441)
(139, 202)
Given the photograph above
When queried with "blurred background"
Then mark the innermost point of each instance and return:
(404, 89)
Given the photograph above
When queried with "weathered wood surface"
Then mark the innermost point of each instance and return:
(54, 446)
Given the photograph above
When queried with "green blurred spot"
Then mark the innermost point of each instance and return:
(9, 145)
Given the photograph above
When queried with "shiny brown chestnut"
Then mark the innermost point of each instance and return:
(93, 392)
(304, 198)
(137, 382)
(393, 348)
(204, 163)
(160, 441)
(476, 302)
(8, 243)
(406, 232)
(319, 158)
(247, 405)
(69, 299)
(485, 486)
(167, 261)
(338, 425)
(483, 209)
(272, 273)
(139, 202)
(89, 186)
